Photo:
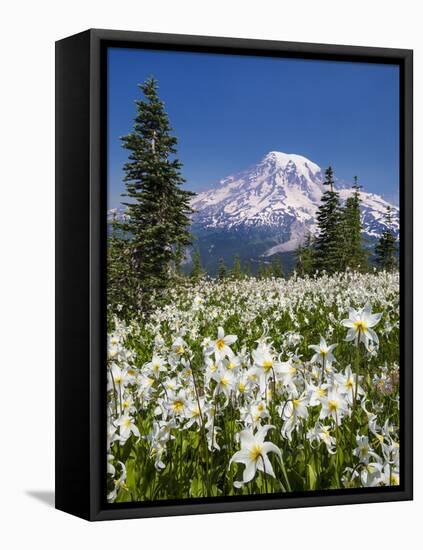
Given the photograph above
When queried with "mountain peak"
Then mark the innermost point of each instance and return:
(278, 197)
(283, 160)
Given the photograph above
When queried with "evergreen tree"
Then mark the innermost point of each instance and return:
(305, 257)
(277, 270)
(236, 269)
(158, 208)
(386, 248)
(121, 284)
(328, 245)
(221, 270)
(197, 271)
(354, 255)
(268, 271)
(247, 269)
(261, 271)
(265, 270)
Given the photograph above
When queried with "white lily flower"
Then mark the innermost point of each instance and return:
(225, 381)
(347, 383)
(323, 354)
(335, 406)
(119, 483)
(266, 365)
(321, 432)
(371, 474)
(221, 347)
(292, 412)
(179, 346)
(176, 403)
(117, 378)
(360, 323)
(253, 454)
(156, 365)
(363, 450)
(126, 427)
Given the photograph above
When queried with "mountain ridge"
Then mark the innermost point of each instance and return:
(282, 192)
(267, 210)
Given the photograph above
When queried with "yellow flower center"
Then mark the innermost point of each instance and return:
(241, 387)
(220, 344)
(394, 479)
(224, 381)
(349, 384)
(323, 352)
(321, 392)
(180, 350)
(255, 452)
(267, 365)
(213, 368)
(231, 366)
(127, 423)
(118, 379)
(295, 402)
(333, 405)
(178, 405)
(260, 407)
(360, 325)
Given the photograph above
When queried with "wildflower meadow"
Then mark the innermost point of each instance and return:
(255, 386)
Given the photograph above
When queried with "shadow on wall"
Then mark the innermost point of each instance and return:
(46, 497)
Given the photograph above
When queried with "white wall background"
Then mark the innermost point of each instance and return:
(28, 31)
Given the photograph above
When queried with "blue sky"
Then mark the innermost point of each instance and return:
(229, 111)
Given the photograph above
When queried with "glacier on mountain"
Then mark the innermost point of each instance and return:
(280, 195)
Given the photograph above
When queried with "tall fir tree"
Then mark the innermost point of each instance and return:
(261, 271)
(386, 248)
(305, 257)
(197, 270)
(221, 269)
(277, 270)
(247, 268)
(236, 271)
(354, 254)
(121, 282)
(328, 245)
(265, 270)
(158, 208)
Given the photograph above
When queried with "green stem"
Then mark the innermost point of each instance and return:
(204, 435)
(285, 475)
(353, 414)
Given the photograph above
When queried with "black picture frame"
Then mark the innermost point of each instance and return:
(81, 135)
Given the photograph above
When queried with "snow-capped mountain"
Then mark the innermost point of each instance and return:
(116, 214)
(267, 210)
(278, 199)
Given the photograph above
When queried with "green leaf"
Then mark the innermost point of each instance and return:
(311, 477)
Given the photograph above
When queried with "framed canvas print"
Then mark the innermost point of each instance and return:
(234, 274)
